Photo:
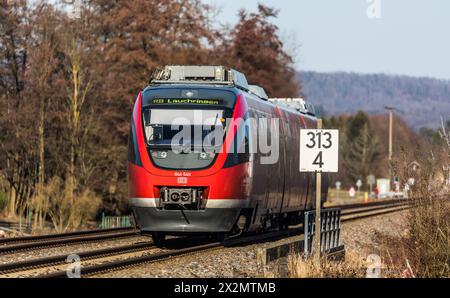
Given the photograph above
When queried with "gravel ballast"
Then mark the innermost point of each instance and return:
(359, 238)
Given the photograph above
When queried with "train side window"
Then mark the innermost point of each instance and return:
(133, 151)
(240, 146)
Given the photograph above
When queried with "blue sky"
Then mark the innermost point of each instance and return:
(411, 37)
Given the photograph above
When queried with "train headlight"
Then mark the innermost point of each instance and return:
(175, 197)
(160, 154)
(204, 155)
(185, 196)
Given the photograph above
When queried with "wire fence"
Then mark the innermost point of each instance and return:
(109, 222)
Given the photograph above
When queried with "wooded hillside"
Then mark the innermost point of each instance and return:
(420, 101)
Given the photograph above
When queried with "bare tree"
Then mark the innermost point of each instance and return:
(445, 135)
(67, 87)
(16, 158)
(43, 64)
(256, 49)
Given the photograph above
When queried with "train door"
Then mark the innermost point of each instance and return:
(288, 167)
(275, 169)
(259, 183)
(269, 170)
(295, 178)
(284, 163)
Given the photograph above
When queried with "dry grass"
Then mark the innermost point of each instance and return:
(424, 251)
(66, 211)
(353, 266)
(426, 247)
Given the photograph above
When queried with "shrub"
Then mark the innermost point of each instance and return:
(426, 246)
(66, 210)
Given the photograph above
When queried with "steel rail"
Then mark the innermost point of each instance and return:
(121, 264)
(65, 241)
(104, 231)
(61, 235)
(364, 215)
(370, 204)
(379, 208)
(61, 259)
(361, 210)
(118, 264)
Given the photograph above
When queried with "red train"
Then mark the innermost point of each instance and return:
(211, 179)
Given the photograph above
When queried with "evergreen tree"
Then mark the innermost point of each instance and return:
(361, 148)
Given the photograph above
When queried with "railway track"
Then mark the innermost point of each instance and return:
(60, 235)
(349, 213)
(16, 244)
(61, 259)
(360, 211)
(11, 245)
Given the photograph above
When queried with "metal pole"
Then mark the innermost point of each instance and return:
(317, 232)
(391, 120)
(390, 146)
(390, 134)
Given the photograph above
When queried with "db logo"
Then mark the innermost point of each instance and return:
(182, 180)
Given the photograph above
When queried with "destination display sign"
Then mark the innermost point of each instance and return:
(193, 101)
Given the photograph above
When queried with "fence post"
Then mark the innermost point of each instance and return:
(102, 223)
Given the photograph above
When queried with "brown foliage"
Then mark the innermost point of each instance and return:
(256, 50)
(67, 87)
(353, 132)
(426, 246)
(65, 211)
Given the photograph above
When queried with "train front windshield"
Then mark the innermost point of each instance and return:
(192, 128)
(185, 133)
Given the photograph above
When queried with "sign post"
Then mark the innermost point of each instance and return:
(318, 209)
(371, 181)
(338, 188)
(318, 153)
(359, 184)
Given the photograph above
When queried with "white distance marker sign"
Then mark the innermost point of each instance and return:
(319, 150)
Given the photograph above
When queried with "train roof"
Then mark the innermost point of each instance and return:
(207, 76)
(199, 74)
(298, 104)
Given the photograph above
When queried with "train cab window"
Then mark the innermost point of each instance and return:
(162, 125)
(183, 138)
